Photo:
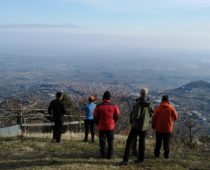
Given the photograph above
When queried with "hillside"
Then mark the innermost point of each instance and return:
(200, 86)
(192, 96)
(35, 151)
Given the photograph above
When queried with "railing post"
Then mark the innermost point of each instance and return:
(69, 119)
(21, 122)
(18, 118)
(24, 127)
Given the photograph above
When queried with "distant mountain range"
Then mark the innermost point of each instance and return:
(194, 96)
(193, 99)
(196, 85)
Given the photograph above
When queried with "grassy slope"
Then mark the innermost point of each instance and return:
(35, 151)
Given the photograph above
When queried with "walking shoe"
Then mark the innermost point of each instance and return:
(109, 157)
(101, 157)
(156, 156)
(166, 156)
(138, 161)
(124, 163)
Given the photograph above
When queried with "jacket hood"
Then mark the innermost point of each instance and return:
(165, 104)
(144, 99)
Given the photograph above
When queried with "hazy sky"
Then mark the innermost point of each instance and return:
(164, 24)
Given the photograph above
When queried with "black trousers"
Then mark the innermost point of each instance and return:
(57, 128)
(165, 138)
(134, 147)
(109, 137)
(89, 124)
(131, 138)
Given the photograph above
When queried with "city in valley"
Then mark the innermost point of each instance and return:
(33, 84)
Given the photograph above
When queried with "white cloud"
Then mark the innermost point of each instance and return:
(39, 26)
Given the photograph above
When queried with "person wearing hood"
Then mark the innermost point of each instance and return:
(163, 122)
(140, 118)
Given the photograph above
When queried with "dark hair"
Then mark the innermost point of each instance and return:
(165, 98)
(58, 95)
(107, 95)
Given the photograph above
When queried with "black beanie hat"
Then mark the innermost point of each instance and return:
(165, 98)
(59, 94)
(107, 95)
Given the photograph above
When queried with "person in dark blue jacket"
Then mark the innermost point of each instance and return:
(89, 120)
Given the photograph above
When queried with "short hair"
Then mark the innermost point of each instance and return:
(59, 94)
(143, 91)
(91, 98)
(107, 95)
(165, 98)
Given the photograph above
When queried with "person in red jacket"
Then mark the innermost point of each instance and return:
(163, 122)
(106, 115)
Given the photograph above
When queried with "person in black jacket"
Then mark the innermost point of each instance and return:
(57, 110)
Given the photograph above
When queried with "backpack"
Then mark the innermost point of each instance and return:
(138, 108)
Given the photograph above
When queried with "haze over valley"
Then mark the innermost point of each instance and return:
(155, 70)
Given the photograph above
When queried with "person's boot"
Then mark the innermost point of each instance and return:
(85, 140)
(134, 153)
(166, 156)
(123, 163)
(138, 161)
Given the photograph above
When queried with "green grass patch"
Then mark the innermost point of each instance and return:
(35, 151)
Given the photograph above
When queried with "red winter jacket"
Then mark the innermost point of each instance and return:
(106, 115)
(164, 117)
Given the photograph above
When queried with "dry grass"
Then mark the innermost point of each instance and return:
(35, 151)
